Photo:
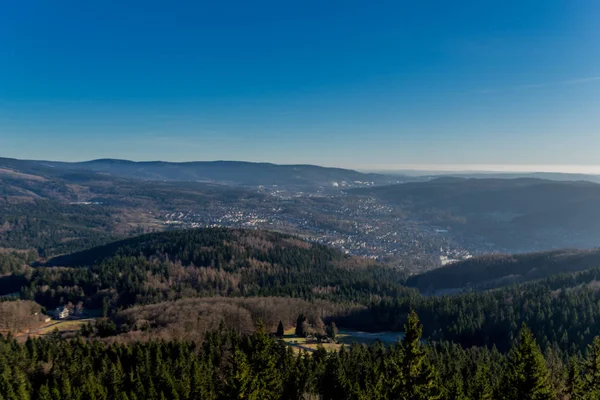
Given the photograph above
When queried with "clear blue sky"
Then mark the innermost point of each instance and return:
(359, 84)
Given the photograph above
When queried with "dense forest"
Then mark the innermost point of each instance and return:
(227, 365)
(54, 228)
(163, 269)
(180, 311)
(564, 309)
(209, 262)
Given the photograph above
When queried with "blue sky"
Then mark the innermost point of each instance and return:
(363, 84)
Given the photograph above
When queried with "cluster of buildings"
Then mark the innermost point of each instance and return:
(360, 226)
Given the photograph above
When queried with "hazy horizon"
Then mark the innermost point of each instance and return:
(465, 168)
(389, 168)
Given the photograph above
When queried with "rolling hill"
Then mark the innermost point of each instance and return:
(209, 262)
(224, 172)
(498, 270)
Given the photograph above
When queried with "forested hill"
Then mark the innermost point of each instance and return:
(499, 270)
(233, 172)
(229, 249)
(209, 262)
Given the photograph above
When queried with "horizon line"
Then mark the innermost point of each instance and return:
(486, 168)
(393, 167)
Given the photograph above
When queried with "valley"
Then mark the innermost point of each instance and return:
(310, 271)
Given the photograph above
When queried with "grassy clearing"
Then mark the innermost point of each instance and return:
(61, 326)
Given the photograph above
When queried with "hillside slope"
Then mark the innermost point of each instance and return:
(500, 270)
(209, 247)
(209, 262)
(517, 215)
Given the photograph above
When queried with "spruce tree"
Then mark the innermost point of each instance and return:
(239, 379)
(280, 330)
(335, 383)
(44, 393)
(21, 384)
(527, 375)
(412, 375)
(592, 369)
(6, 387)
(575, 385)
(262, 353)
(480, 388)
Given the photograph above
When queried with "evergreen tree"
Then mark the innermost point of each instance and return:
(6, 387)
(527, 375)
(480, 388)
(239, 380)
(335, 383)
(332, 330)
(262, 353)
(575, 385)
(21, 385)
(592, 369)
(44, 393)
(105, 307)
(413, 375)
(280, 330)
(300, 332)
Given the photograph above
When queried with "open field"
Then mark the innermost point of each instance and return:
(47, 328)
(63, 326)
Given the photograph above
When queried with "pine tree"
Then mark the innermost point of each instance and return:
(239, 380)
(122, 396)
(592, 369)
(413, 375)
(138, 386)
(262, 356)
(527, 375)
(6, 387)
(65, 387)
(57, 396)
(480, 388)
(335, 383)
(44, 393)
(21, 385)
(374, 381)
(575, 385)
(556, 370)
(280, 330)
(455, 387)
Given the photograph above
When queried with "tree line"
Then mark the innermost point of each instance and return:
(227, 365)
(563, 309)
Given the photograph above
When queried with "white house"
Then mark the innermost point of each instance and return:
(62, 313)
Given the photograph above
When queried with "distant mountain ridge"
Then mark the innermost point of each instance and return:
(227, 172)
